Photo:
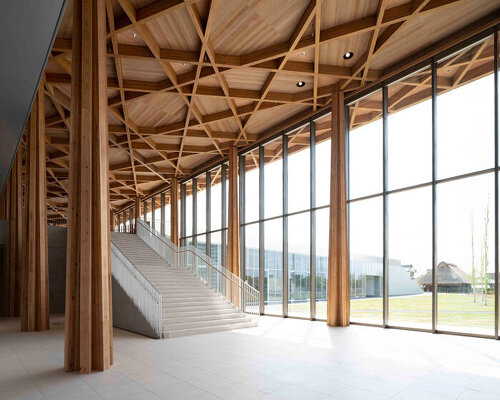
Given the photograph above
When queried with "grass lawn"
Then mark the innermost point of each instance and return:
(455, 311)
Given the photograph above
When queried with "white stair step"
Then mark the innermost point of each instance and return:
(208, 303)
(218, 328)
(209, 317)
(168, 314)
(202, 324)
(202, 300)
(189, 307)
(169, 296)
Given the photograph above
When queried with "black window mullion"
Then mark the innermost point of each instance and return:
(208, 191)
(162, 213)
(495, 63)
(194, 189)
(223, 216)
(385, 224)
(241, 171)
(285, 225)
(434, 197)
(261, 229)
(312, 215)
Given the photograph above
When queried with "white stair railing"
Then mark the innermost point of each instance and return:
(144, 295)
(238, 292)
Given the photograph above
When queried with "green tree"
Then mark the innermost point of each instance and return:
(484, 255)
(473, 274)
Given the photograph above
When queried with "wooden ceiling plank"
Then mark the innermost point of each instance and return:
(292, 43)
(119, 74)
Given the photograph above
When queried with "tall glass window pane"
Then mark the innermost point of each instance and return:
(466, 254)
(215, 199)
(252, 186)
(252, 255)
(216, 247)
(366, 260)
(410, 257)
(299, 170)
(322, 240)
(273, 178)
(201, 243)
(201, 205)
(189, 208)
(466, 115)
(410, 131)
(273, 267)
(157, 212)
(365, 147)
(323, 163)
(299, 263)
(227, 196)
(168, 199)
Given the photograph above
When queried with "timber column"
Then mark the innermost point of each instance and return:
(88, 336)
(10, 276)
(35, 268)
(338, 303)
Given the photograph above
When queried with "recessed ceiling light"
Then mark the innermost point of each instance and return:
(134, 34)
(301, 83)
(303, 53)
(348, 55)
(183, 64)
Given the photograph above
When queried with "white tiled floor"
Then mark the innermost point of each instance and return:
(282, 359)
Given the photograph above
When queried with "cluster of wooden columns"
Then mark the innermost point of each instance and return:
(88, 317)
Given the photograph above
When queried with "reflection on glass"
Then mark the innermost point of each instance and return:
(167, 224)
(466, 255)
(365, 146)
(410, 257)
(299, 271)
(189, 207)
(273, 179)
(410, 131)
(273, 267)
(252, 255)
(323, 167)
(466, 117)
(215, 199)
(322, 240)
(201, 205)
(365, 260)
(252, 186)
(299, 167)
(216, 247)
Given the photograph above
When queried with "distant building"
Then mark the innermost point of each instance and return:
(450, 279)
(367, 277)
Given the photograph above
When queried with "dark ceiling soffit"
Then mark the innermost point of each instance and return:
(42, 70)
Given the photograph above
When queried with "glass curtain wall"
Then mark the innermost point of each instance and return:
(203, 213)
(285, 220)
(423, 196)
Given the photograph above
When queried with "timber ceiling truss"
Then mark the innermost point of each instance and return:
(189, 79)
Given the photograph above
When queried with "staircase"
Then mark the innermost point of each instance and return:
(189, 306)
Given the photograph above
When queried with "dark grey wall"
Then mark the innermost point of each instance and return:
(57, 263)
(57, 268)
(27, 31)
(127, 316)
(4, 245)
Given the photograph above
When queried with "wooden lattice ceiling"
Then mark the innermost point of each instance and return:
(188, 79)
